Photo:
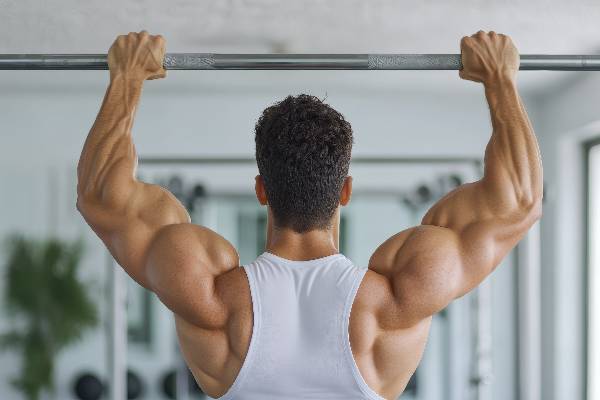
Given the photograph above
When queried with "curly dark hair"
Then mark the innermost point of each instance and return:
(303, 149)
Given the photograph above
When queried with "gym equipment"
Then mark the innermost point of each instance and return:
(88, 386)
(135, 386)
(169, 384)
(209, 61)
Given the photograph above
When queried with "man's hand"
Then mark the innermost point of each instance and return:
(488, 57)
(137, 56)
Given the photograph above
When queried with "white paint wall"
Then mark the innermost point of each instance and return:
(44, 121)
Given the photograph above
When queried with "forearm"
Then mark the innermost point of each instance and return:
(513, 170)
(108, 153)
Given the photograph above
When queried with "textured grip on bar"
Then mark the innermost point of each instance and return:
(415, 61)
(189, 61)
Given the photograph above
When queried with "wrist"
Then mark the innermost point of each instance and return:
(126, 78)
(500, 80)
(498, 89)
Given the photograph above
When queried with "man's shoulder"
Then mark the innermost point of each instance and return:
(197, 244)
(374, 293)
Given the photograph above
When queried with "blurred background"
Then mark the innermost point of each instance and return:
(71, 321)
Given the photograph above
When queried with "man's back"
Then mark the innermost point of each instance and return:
(303, 151)
(299, 344)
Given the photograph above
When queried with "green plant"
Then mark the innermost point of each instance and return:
(49, 305)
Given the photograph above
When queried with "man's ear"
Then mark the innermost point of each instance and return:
(346, 192)
(259, 188)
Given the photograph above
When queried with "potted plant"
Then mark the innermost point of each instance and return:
(49, 306)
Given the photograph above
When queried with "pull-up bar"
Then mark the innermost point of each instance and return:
(206, 61)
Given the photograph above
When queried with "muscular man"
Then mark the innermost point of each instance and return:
(302, 321)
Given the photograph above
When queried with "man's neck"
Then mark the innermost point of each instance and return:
(287, 243)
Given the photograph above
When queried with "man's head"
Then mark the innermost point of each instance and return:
(303, 149)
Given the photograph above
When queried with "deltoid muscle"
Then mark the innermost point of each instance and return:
(188, 61)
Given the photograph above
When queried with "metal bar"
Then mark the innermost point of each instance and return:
(208, 61)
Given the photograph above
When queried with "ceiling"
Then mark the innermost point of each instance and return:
(310, 26)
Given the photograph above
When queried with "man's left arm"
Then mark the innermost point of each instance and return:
(466, 234)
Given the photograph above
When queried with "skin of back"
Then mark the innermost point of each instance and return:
(414, 274)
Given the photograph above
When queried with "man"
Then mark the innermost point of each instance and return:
(302, 321)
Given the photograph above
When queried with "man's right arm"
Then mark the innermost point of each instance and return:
(145, 228)
(466, 234)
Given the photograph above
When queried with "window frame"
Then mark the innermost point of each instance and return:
(587, 148)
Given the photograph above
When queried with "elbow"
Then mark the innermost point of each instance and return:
(82, 197)
(87, 194)
(531, 210)
(536, 210)
(529, 202)
(80, 204)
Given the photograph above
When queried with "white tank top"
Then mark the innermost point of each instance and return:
(300, 346)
